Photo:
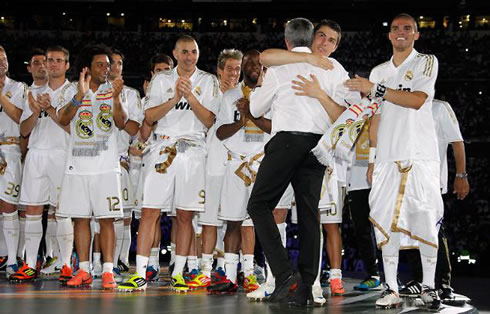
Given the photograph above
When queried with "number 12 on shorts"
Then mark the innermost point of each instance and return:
(113, 203)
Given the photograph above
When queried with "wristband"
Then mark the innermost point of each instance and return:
(378, 91)
(75, 102)
(372, 154)
(463, 175)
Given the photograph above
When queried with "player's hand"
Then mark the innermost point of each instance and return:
(33, 104)
(359, 84)
(83, 83)
(2, 83)
(319, 61)
(117, 87)
(225, 85)
(44, 101)
(461, 188)
(306, 87)
(243, 106)
(369, 173)
(186, 87)
(178, 89)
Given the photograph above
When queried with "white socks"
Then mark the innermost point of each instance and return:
(179, 265)
(428, 256)
(11, 233)
(207, 264)
(192, 263)
(21, 249)
(154, 257)
(231, 264)
(172, 253)
(390, 260)
(3, 245)
(50, 240)
(85, 266)
(248, 264)
(141, 265)
(119, 232)
(97, 258)
(124, 256)
(64, 234)
(107, 267)
(33, 235)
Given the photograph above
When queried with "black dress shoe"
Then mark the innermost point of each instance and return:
(303, 296)
(281, 291)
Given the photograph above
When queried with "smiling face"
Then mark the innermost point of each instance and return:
(403, 33)
(325, 41)
(252, 69)
(231, 71)
(99, 69)
(186, 53)
(4, 63)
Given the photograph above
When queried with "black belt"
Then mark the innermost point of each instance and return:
(300, 133)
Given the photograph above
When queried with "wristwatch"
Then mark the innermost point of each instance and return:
(463, 175)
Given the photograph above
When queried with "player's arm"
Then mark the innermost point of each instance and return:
(262, 96)
(145, 131)
(155, 113)
(227, 130)
(406, 99)
(276, 57)
(28, 124)
(243, 105)
(10, 109)
(119, 115)
(373, 141)
(68, 112)
(461, 185)
(202, 113)
(313, 89)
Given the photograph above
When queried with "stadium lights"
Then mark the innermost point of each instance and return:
(385, 24)
(108, 14)
(480, 93)
(254, 21)
(3, 18)
(122, 14)
(421, 17)
(183, 21)
(466, 50)
(64, 13)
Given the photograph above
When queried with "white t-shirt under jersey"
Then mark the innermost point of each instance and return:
(93, 141)
(46, 134)
(16, 93)
(180, 121)
(447, 129)
(249, 139)
(132, 106)
(405, 133)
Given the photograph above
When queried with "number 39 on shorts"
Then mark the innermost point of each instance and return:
(13, 189)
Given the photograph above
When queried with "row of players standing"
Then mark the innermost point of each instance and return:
(169, 144)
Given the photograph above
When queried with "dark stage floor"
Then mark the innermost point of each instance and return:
(45, 296)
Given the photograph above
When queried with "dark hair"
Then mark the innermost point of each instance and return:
(299, 32)
(118, 52)
(184, 38)
(330, 24)
(406, 16)
(61, 49)
(86, 56)
(35, 52)
(160, 58)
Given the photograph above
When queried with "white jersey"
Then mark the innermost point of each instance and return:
(46, 134)
(93, 141)
(356, 173)
(249, 139)
(180, 121)
(131, 102)
(215, 162)
(16, 94)
(447, 129)
(404, 133)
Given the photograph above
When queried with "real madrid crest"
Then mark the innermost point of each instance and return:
(104, 118)
(408, 76)
(84, 126)
(337, 133)
(197, 90)
(8, 94)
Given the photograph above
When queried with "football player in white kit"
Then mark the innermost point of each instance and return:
(43, 167)
(183, 103)
(228, 68)
(325, 42)
(132, 102)
(244, 138)
(405, 199)
(91, 185)
(12, 98)
(37, 67)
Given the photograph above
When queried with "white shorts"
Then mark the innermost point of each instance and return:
(10, 177)
(128, 201)
(86, 196)
(209, 216)
(235, 193)
(287, 198)
(42, 177)
(182, 184)
(405, 197)
(331, 201)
